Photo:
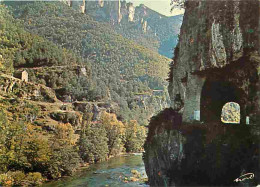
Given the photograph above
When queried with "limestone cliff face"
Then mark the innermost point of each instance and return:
(141, 24)
(216, 62)
(144, 26)
(107, 9)
(101, 3)
(179, 154)
(216, 37)
(110, 11)
(78, 5)
(130, 12)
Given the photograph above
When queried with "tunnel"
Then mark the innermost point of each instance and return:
(215, 94)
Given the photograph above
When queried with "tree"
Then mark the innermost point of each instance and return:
(64, 158)
(93, 143)
(177, 4)
(115, 131)
(135, 136)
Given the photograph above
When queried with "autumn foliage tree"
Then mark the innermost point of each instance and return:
(134, 136)
(115, 133)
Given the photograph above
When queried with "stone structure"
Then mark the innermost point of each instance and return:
(218, 46)
(36, 93)
(82, 71)
(26, 90)
(25, 76)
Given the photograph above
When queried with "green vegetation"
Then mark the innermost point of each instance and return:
(161, 32)
(26, 150)
(43, 138)
(109, 137)
(20, 49)
(30, 153)
(38, 137)
(120, 68)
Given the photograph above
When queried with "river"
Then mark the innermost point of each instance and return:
(107, 173)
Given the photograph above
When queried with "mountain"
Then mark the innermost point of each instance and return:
(43, 137)
(152, 25)
(42, 59)
(122, 71)
(141, 24)
(73, 91)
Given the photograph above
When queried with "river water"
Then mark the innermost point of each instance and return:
(107, 173)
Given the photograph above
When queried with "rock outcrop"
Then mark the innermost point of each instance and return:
(130, 12)
(96, 108)
(144, 26)
(110, 10)
(218, 46)
(79, 5)
(141, 24)
(216, 62)
(26, 90)
(179, 154)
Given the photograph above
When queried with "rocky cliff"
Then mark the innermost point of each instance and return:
(216, 62)
(109, 10)
(52, 110)
(180, 154)
(141, 24)
(217, 53)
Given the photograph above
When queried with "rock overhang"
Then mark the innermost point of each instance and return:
(214, 36)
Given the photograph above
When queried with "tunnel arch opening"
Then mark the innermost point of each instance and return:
(231, 113)
(215, 94)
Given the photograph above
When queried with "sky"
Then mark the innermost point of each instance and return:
(161, 6)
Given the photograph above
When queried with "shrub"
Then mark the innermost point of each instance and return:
(17, 176)
(33, 179)
(6, 180)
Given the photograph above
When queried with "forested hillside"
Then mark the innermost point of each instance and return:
(141, 24)
(72, 92)
(122, 71)
(161, 32)
(22, 50)
(42, 137)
